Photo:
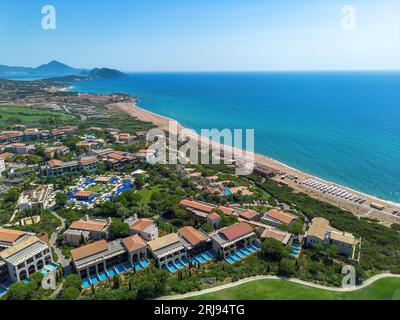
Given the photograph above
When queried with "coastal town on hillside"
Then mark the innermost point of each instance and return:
(84, 215)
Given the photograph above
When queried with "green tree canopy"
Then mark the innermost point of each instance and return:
(118, 229)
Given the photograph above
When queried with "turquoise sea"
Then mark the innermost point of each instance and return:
(340, 126)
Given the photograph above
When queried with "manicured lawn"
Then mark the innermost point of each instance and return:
(29, 116)
(146, 194)
(96, 188)
(387, 288)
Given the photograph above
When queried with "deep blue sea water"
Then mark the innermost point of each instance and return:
(340, 126)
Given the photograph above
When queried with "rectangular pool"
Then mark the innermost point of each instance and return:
(85, 283)
(102, 276)
(111, 272)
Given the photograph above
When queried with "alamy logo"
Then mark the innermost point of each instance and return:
(186, 147)
(349, 280)
(49, 20)
(349, 17)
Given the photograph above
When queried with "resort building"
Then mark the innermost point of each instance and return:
(24, 258)
(103, 179)
(53, 152)
(321, 232)
(145, 228)
(32, 134)
(9, 237)
(276, 218)
(249, 215)
(214, 219)
(281, 236)
(226, 210)
(197, 211)
(86, 230)
(58, 168)
(197, 242)
(20, 148)
(117, 160)
(265, 171)
(100, 260)
(228, 240)
(168, 250)
(83, 195)
(37, 198)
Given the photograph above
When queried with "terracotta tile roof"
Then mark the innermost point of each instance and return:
(18, 247)
(192, 235)
(164, 241)
(141, 224)
(84, 193)
(54, 163)
(114, 155)
(8, 235)
(226, 210)
(18, 144)
(197, 205)
(89, 250)
(88, 160)
(248, 214)
(280, 216)
(274, 234)
(213, 216)
(83, 144)
(103, 179)
(5, 155)
(133, 243)
(320, 226)
(236, 230)
(89, 225)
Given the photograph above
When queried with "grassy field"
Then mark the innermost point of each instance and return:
(387, 289)
(9, 115)
(146, 194)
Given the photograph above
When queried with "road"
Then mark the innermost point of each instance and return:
(298, 281)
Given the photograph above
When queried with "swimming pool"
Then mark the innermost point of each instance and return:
(127, 266)
(52, 266)
(171, 267)
(102, 276)
(229, 259)
(111, 272)
(85, 283)
(119, 268)
(2, 291)
(144, 263)
(94, 279)
(138, 266)
(227, 192)
(200, 259)
(184, 260)
(179, 264)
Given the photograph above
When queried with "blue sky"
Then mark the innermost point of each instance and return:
(193, 35)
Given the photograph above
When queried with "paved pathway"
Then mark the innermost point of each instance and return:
(305, 283)
(61, 259)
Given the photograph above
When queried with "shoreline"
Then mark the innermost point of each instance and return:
(385, 216)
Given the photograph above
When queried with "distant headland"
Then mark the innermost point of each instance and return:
(56, 70)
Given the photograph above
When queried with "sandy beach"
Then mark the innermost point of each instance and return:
(385, 216)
